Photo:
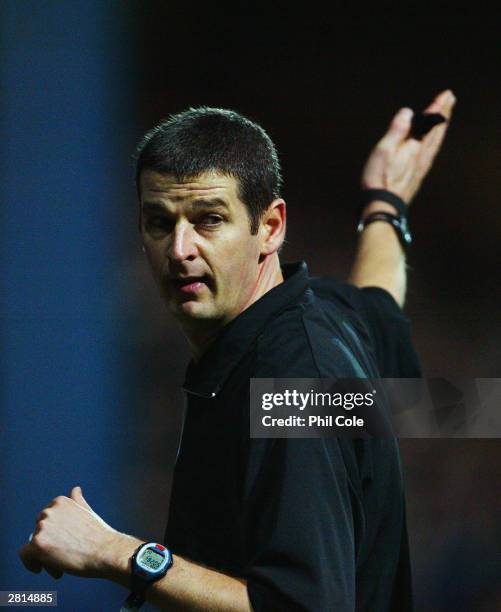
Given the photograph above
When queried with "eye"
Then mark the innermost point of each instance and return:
(210, 220)
(158, 223)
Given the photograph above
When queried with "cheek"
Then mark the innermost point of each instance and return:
(155, 261)
(236, 261)
(239, 271)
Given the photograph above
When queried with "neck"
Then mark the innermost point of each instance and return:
(269, 276)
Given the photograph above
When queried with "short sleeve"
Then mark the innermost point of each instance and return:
(389, 330)
(391, 334)
(300, 535)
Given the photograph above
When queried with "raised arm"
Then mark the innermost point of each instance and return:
(398, 164)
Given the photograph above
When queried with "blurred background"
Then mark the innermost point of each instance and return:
(90, 363)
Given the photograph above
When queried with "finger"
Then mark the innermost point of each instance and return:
(42, 515)
(438, 101)
(431, 146)
(77, 496)
(53, 571)
(398, 130)
(31, 562)
(57, 500)
(434, 138)
(443, 103)
(423, 123)
(28, 557)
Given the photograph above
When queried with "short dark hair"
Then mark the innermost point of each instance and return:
(203, 139)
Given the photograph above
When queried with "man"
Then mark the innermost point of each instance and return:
(262, 524)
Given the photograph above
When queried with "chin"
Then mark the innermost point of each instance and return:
(193, 310)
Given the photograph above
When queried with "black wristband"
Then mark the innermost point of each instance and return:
(383, 195)
(399, 225)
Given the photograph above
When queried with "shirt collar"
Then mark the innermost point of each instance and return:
(207, 376)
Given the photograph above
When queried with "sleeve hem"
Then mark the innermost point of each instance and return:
(387, 296)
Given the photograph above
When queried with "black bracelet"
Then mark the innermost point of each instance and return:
(383, 195)
(398, 223)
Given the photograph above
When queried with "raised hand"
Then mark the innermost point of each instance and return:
(399, 163)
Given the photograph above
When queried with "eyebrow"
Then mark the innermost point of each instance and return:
(155, 206)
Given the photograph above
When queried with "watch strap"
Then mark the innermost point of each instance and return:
(138, 587)
(132, 603)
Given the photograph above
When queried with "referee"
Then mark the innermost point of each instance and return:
(263, 524)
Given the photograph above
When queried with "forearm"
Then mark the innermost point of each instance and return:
(187, 586)
(380, 259)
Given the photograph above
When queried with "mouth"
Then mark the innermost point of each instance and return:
(190, 284)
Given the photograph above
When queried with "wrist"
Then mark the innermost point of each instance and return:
(378, 206)
(398, 223)
(369, 196)
(115, 558)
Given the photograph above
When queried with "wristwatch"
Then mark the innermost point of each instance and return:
(149, 563)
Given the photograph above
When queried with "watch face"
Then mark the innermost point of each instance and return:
(151, 560)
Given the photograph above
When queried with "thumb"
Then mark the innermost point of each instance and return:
(77, 496)
(399, 128)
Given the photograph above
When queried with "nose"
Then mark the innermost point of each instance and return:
(182, 243)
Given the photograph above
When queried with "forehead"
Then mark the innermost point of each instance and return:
(210, 185)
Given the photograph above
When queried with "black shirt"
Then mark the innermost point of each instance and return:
(311, 524)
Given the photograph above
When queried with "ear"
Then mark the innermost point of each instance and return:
(272, 227)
